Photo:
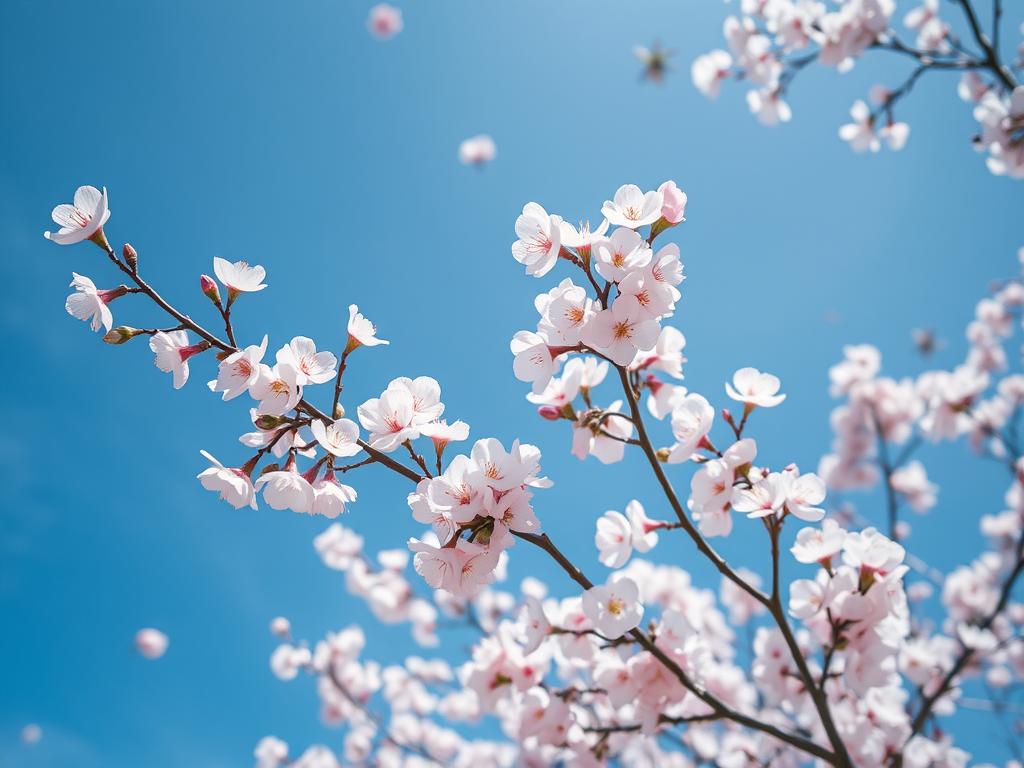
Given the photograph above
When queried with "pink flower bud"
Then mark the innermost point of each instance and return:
(207, 286)
(549, 412)
(673, 202)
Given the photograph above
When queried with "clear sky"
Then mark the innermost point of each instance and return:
(283, 134)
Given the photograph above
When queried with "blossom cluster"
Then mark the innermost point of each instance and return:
(642, 666)
(771, 42)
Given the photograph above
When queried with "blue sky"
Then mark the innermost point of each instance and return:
(283, 134)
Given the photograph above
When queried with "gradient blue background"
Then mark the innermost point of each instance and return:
(282, 133)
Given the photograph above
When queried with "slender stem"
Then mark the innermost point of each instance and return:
(991, 56)
(888, 468)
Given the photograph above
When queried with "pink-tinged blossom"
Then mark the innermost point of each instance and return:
(385, 21)
(277, 389)
(819, 545)
(441, 433)
(83, 220)
(708, 71)
(754, 389)
(339, 438)
(534, 361)
(461, 570)
(233, 485)
(540, 239)
(872, 552)
(286, 489)
(711, 488)
(803, 493)
(860, 134)
(172, 353)
(239, 276)
(564, 311)
(764, 498)
(331, 496)
(666, 355)
(666, 269)
(239, 371)
(663, 397)
(88, 303)
(390, 419)
(151, 643)
(310, 366)
(288, 660)
(361, 332)
(614, 539)
(477, 150)
(622, 330)
(692, 418)
(426, 397)
(614, 608)
(632, 207)
(582, 238)
(623, 252)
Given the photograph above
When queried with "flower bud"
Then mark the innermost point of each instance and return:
(673, 205)
(663, 454)
(339, 411)
(121, 334)
(267, 422)
(131, 256)
(207, 286)
(549, 412)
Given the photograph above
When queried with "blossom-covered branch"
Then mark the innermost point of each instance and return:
(582, 679)
(774, 40)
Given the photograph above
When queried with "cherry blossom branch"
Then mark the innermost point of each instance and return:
(724, 711)
(188, 323)
(991, 55)
(967, 654)
(773, 603)
(888, 468)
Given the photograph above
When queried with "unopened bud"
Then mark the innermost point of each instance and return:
(549, 412)
(663, 454)
(121, 334)
(207, 286)
(339, 411)
(266, 421)
(131, 256)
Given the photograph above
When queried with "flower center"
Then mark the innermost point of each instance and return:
(622, 330)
